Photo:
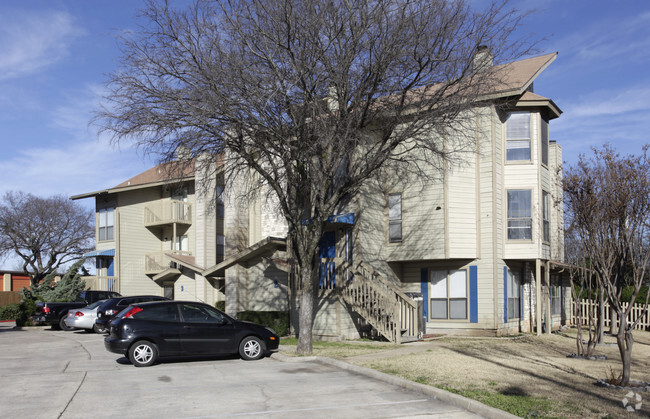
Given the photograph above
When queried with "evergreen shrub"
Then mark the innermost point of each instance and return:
(276, 320)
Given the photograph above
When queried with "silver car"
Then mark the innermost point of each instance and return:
(84, 318)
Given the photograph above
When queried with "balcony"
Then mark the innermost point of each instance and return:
(102, 283)
(155, 263)
(166, 212)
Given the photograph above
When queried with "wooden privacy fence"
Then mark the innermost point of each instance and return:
(635, 313)
(10, 297)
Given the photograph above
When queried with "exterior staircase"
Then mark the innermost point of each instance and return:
(395, 315)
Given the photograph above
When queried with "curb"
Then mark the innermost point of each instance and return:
(433, 392)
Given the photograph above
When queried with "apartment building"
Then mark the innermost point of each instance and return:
(480, 243)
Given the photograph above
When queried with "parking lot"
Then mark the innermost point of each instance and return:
(48, 373)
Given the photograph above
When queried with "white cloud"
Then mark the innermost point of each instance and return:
(29, 42)
(74, 159)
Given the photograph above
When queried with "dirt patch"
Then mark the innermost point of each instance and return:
(532, 366)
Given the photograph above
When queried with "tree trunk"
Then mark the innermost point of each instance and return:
(625, 340)
(613, 316)
(306, 313)
(600, 328)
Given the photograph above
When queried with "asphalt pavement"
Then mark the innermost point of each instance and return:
(47, 373)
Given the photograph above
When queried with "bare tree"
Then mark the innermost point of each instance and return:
(609, 196)
(583, 281)
(44, 232)
(315, 97)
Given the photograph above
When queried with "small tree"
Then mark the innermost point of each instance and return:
(583, 282)
(609, 197)
(312, 97)
(67, 288)
(45, 233)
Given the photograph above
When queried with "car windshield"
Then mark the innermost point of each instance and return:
(95, 304)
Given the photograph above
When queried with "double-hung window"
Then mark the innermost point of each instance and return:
(518, 136)
(520, 221)
(448, 295)
(513, 291)
(545, 217)
(106, 224)
(395, 217)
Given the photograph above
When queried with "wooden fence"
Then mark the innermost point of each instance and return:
(10, 297)
(636, 312)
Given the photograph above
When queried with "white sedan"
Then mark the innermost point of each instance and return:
(84, 318)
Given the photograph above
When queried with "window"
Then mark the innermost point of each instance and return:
(448, 295)
(544, 141)
(220, 204)
(106, 224)
(201, 314)
(545, 217)
(556, 296)
(518, 136)
(221, 247)
(160, 313)
(520, 222)
(395, 217)
(513, 291)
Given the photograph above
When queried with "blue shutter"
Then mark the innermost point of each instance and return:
(473, 294)
(505, 294)
(424, 287)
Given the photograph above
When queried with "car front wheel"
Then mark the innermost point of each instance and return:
(251, 348)
(143, 353)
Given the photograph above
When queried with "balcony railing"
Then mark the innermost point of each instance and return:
(155, 263)
(102, 283)
(167, 212)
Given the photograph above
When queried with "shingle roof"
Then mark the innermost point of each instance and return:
(161, 172)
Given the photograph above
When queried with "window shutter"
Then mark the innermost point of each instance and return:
(473, 294)
(505, 294)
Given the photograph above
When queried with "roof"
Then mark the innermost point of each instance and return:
(164, 173)
(501, 81)
(529, 99)
(519, 75)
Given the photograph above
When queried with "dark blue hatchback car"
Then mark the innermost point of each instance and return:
(145, 332)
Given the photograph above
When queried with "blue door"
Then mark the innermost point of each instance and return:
(327, 250)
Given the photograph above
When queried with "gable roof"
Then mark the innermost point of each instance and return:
(164, 173)
(519, 75)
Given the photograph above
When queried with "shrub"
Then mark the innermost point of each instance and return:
(276, 320)
(21, 312)
(220, 305)
(10, 312)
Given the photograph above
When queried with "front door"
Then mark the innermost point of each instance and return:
(327, 252)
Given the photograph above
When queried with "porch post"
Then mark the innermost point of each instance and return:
(538, 298)
(547, 296)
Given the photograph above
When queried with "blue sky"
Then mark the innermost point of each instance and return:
(54, 56)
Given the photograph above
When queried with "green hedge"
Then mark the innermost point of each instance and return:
(276, 320)
(220, 305)
(10, 312)
(21, 312)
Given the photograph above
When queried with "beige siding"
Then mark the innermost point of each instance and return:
(135, 241)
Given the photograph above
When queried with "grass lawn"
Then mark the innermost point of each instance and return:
(528, 376)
